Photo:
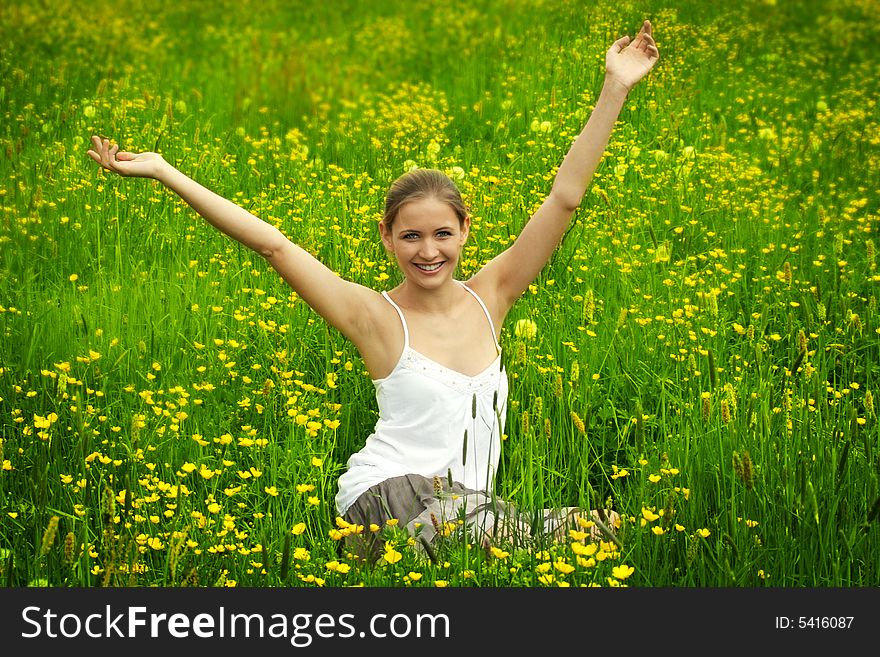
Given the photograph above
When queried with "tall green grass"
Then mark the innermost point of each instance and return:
(705, 347)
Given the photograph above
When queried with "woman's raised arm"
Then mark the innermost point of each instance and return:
(512, 271)
(343, 304)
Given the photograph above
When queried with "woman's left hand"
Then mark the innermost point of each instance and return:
(628, 61)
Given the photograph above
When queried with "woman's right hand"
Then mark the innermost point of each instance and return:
(136, 165)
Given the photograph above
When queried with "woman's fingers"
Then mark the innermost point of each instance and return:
(621, 43)
(646, 43)
(103, 153)
(644, 36)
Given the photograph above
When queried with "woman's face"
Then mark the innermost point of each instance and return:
(426, 239)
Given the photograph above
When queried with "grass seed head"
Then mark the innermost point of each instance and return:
(49, 535)
(69, 548)
(747, 471)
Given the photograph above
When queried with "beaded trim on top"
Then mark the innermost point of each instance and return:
(486, 381)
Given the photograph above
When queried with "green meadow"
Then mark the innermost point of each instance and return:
(702, 353)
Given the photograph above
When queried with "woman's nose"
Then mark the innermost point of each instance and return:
(428, 250)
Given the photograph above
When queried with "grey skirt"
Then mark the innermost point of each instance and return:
(430, 507)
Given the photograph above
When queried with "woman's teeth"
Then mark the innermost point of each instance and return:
(429, 267)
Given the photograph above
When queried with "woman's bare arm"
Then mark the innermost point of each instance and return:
(343, 304)
(512, 271)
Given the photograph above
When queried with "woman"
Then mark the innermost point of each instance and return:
(427, 344)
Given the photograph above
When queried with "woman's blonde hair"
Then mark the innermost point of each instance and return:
(421, 184)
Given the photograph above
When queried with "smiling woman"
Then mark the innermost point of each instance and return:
(430, 344)
(426, 238)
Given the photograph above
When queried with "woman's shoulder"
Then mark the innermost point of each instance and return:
(489, 295)
(381, 332)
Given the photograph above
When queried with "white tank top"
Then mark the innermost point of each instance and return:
(424, 410)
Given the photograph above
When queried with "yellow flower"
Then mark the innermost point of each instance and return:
(317, 462)
(658, 530)
(66, 479)
(498, 553)
(415, 576)
(441, 583)
(391, 555)
(703, 532)
(654, 478)
(271, 490)
(576, 535)
(622, 571)
(649, 515)
(304, 488)
(583, 523)
(584, 550)
(525, 328)
(563, 567)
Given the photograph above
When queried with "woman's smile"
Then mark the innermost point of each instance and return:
(430, 269)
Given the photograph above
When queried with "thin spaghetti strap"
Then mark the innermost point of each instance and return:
(402, 320)
(485, 310)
